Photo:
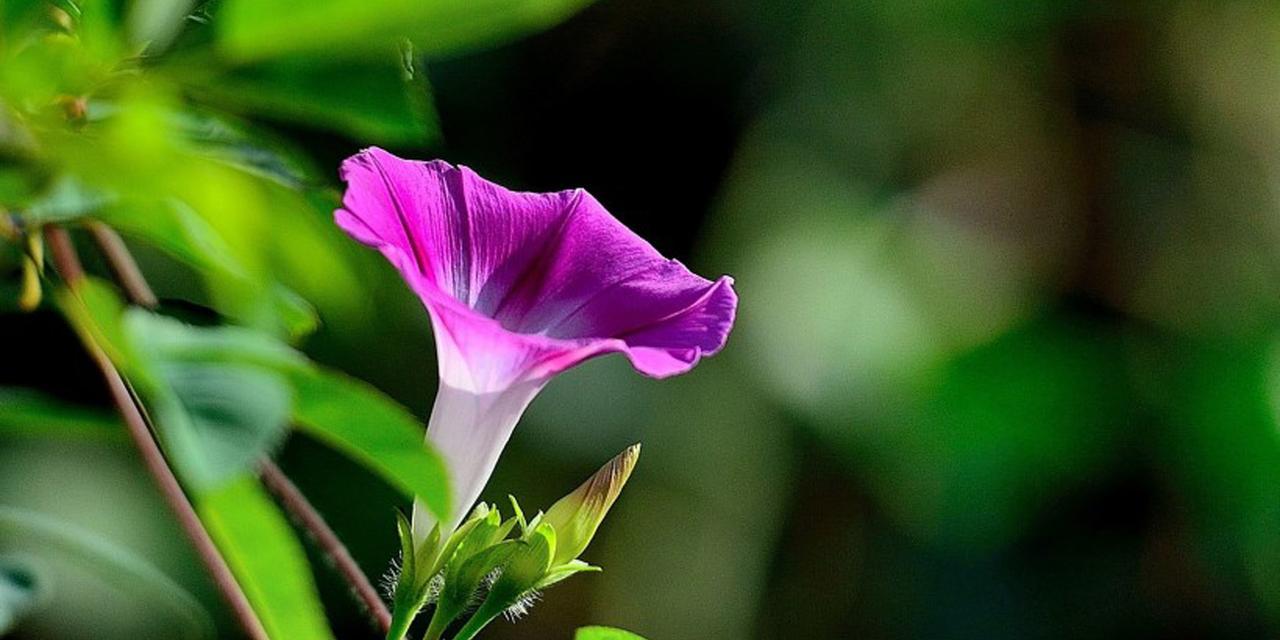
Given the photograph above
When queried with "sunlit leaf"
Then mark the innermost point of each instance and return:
(604, 633)
(358, 420)
(267, 559)
(29, 413)
(238, 291)
(257, 28)
(366, 99)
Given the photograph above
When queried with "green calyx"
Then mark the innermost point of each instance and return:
(481, 570)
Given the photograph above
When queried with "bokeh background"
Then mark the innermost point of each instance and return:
(1005, 364)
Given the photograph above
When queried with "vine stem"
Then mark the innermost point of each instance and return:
(139, 292)
(310, 519)
(68, 265)
(123, 265)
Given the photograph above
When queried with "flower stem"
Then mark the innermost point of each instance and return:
(308, 518)
(436, 629)
(401, 618)
(479, 620)
(139, 292)
(68, 266)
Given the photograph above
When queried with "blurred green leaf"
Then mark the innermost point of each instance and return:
(238, 291)
(358, 420)
(604, 633)
(266, 558)
(258, 28)
(1008, 426)
(66, 199)
(20, 587)
(156, 22)
(113, 564)
(1224, 454)
(216, 396)
(95, 311)
(245, 147)
(219, 419)
(175, 341)
(365, 99)
(27, 412)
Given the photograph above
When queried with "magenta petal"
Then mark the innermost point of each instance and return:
(542, 280)
(522, 286)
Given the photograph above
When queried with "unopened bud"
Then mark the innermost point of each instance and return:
(577, 516)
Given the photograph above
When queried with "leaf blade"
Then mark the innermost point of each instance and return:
(253, 29)
(604, 633)
(267, 559)
(358, 420)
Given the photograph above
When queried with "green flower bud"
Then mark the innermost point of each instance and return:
(577, 516)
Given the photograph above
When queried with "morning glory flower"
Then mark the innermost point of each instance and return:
(520, 287)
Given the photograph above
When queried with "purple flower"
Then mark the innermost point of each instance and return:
(521, 286)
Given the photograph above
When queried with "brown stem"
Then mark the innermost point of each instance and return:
(302, 511)
(308, 518)
(123, 265)
(68, 265)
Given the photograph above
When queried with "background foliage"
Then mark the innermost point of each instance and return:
(1006, 361)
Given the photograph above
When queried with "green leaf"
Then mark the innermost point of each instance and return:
(253, 29)
(365, 99)
(65, 199)
(604, 633)
(29, 413)
(94, 311)
(217, 395)
(115, 565)
(238, 292)
(20, 590)
(358, 420)
(245, 147)
(267, 560)
(218, 420)
(175, 341)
